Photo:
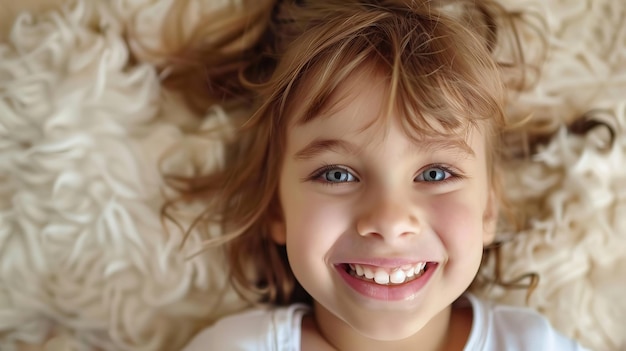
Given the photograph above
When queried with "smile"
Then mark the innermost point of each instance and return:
(387, 276)
(387, 283)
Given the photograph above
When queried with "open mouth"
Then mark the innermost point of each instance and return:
(388, 276)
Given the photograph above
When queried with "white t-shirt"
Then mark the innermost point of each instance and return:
(494, 328)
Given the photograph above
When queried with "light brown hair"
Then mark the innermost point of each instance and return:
(443, 79)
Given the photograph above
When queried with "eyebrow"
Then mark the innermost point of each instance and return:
(460, 146)
(319, 146)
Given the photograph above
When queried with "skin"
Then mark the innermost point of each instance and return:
(386, 207)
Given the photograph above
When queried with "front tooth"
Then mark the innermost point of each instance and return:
(397, 277)
(369, 273)
(381, 277)
(359, 270)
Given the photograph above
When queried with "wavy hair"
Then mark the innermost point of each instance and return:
(443, 78)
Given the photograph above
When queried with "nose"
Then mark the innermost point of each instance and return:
(389, 216)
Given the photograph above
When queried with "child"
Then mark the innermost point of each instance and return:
(363, 189)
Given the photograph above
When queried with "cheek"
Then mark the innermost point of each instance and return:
(314, 226)
(458, 223)
(313, 221)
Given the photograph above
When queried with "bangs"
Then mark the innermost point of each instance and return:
(440, 78)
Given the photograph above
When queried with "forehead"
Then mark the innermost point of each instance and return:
(359, 111)
(362, 106)
(360, 99)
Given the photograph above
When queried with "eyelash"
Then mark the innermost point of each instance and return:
(320, 172)
(454, 175)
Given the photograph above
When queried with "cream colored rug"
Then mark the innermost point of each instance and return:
(86, 264)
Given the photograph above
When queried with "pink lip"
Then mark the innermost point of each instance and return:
(387, 292)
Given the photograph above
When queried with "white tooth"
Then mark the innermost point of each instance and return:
(369, 274)
(381, 277)
(419, 267)
(359, 270)
(351, 266)
(397, 277)
(410, 272)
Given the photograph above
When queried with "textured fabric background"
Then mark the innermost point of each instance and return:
(86, 263)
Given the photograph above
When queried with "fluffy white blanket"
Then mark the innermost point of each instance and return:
(86, 261)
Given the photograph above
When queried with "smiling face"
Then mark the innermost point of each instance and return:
(384, 231)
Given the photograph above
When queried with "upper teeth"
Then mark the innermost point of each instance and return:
(384, 276)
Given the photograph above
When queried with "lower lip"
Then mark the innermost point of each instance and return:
(387, 292)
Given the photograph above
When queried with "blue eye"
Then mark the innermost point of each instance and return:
(433, 174)
(337, 175)
(333, 175)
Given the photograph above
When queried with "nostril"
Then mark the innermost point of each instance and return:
(387, 224)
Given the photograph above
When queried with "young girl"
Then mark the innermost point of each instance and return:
(358, 199)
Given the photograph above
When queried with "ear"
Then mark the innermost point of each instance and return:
(490, 218)
(278, 231)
